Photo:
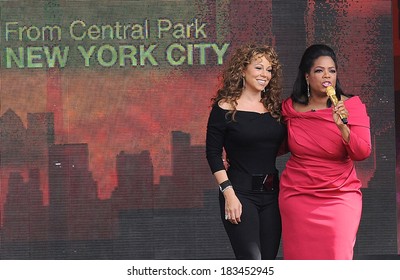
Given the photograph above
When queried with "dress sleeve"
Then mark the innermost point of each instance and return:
(359, 145)
(216, 129)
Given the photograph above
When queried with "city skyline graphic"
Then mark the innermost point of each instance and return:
(74, 212)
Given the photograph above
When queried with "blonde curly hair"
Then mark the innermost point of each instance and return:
(232, 79)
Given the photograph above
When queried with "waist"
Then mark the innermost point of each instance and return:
(254, 182)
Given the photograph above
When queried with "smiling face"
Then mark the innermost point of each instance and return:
(257, 74)
(322, 74)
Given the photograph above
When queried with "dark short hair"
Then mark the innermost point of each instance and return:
(312, 53)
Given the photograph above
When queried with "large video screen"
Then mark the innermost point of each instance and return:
(103, 114)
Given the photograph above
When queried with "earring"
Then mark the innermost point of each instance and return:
(308, 90)
(244, 82)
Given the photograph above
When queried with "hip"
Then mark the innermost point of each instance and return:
(254, 183)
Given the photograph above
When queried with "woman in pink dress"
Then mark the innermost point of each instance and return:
(320, 198)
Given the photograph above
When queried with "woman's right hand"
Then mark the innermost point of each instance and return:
(233, 207)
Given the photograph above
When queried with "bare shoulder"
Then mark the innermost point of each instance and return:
(224, 105)
(344, 98)
(300, 107)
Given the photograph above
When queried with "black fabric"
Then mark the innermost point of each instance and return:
(257, 183)
(258, 234)
(251, 141)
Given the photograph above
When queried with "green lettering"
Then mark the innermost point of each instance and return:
(131, 55)
(86, 55)
(170, 56)
(11, 56)
(147, 55)
(31, 57)
(56, 55)
(113, 57)
(220, 52)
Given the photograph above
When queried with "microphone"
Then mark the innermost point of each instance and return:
(330, 91)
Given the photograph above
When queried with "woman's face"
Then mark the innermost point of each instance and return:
(322, 74)
(257, 74)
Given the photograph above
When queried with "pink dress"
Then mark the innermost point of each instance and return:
(320, 198)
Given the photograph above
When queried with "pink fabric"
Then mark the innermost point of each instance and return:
(320, 197)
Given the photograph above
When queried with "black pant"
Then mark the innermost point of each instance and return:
(258, 234)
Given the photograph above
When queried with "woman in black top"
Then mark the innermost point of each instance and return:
(245, 124)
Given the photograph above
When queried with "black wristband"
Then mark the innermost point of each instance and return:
(224, 185)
